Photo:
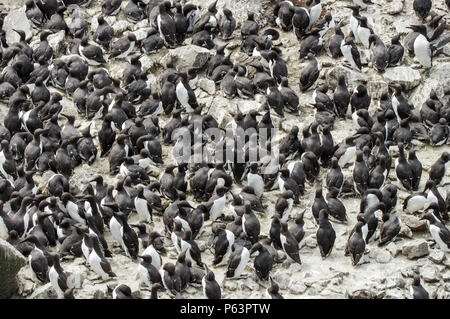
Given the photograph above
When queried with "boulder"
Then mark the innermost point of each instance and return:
(230, 285)
(56, 40)
(360, 294)
(207, 85)
(44, 292)
(415, 248)
(311, 241)
(383, 257)
(446, 276)
(395, 281)
(187, 57)
(294, 267)
(11, 260)
(394, 6)
(393, 249)
(151, 61)
(352, 78)
(296, 288)
(446, 49)
(405, 232)
(436, 78)
(437, 256)
(414, 223)
(373, 81)
(430, 273)
(403, 75)
(395, 293)
(16, 20)
(75, 280)
(120, 27)
(217, 105)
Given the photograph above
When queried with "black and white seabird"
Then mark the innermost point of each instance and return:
(34, 14)
(417, 290)
(185, 95)
(170, 279)
(227, 24)
(166, 25)
(390, 228)
(250, 27)
(360, 173)
(289, 243)
(310, 74)
(351, 53)
(379, 53)
(273, 291)
(356, 244)
(284, 204)
(311, 44)
(38, 259)
(422, 8)
(97, 261)
(421, 45)
(238, 260)
(142, 206)
(396, 51)
(134, 11)
(263, 262)
(364, 31)
(228, 84)
(223, 240)
(250, 224)
(333, 44)
(153, 42)
(439, 133)
(277, 66)
(111, 7)
(123, 47)
(91, 53)
(315, 10)
(148, 273)
(440, 233)
(57, 276)
(290, 98)
(403, 169)
(44, 51)
(255, 180)
(104, 33)
(439, 168)
(284, 13)
(211, 288)
(335, 207)
(274, 98)
(300, 20)
(121, 292)
(325, 234)
(335, 177)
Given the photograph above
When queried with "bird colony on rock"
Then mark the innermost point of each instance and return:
(50, 224)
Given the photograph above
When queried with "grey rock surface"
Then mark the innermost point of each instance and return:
(11, 260)
(415, 249)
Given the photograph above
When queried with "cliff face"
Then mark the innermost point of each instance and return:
(391, 268)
